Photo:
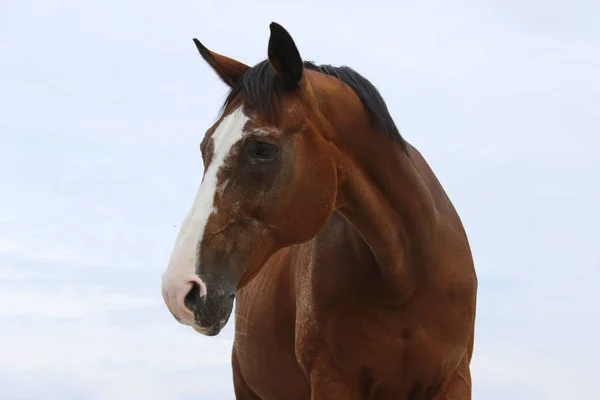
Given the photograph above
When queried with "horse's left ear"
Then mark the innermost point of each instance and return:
(228, 69)
(284, 56)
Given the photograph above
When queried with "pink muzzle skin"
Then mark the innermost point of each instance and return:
(174, 292)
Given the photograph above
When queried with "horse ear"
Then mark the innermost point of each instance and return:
(229, 70)
(284, 56)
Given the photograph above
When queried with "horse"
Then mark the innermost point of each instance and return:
(350, 269)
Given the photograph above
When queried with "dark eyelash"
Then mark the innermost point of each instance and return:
(262, 150)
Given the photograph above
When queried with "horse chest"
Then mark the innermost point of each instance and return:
(366, 350)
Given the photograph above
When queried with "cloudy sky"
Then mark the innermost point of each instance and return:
(102, 108)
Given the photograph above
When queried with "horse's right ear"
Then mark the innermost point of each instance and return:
(284, 56)
(229, 70)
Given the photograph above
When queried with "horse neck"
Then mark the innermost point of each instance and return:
(382, 194)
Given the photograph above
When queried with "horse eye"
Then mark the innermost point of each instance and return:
(262, 150)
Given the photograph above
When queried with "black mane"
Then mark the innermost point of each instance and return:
(261, 85)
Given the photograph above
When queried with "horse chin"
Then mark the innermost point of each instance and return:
(215, 328)
(210, 331)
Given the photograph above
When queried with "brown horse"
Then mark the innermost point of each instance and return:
(350, 267)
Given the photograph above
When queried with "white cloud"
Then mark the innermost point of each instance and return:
(54, 302)
(107, 345)
(529, 376)
(9, 246)
(27, 252)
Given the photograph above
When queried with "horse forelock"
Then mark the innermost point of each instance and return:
(261, 90)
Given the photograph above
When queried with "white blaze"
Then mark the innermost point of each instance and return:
(181, 271)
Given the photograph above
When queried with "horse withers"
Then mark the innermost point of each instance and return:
(350, 268)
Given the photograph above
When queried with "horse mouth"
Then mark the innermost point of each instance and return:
(214, 327)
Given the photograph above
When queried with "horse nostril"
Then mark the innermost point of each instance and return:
(192, 300)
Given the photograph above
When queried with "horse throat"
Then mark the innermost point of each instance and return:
(385, 198)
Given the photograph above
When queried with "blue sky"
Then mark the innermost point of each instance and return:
(103, 106)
